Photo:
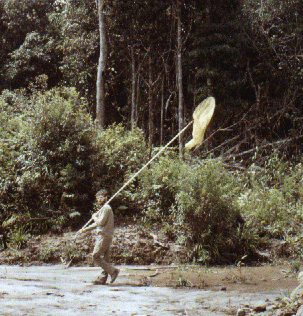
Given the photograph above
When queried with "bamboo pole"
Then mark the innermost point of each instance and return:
(139, 171)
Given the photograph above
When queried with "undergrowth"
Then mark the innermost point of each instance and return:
(53, 160)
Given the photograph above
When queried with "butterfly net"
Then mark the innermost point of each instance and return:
(202, 116)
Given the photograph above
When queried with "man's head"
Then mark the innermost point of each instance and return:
(102, 196)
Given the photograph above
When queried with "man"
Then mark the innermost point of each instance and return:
(104, 225)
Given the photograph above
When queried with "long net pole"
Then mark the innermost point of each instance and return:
(148, 163)
(139, 171)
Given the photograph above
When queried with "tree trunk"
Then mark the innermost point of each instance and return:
(180, 76)
(162, 112)
(133, 118)
(209, 82)
(150, 106)
(100, 88)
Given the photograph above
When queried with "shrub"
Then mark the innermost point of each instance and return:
(50, 157)
(205, 213)
(46, 254)
(54, 159)
(159, 185)
(17, 230)
(272, 204)
(11, 148)
(123, 153)
(72, 252)
(19, 238)
(60, 154)
(198, 201)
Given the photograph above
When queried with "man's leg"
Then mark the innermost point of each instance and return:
(97, 253)
(116, 271)
(101, 258)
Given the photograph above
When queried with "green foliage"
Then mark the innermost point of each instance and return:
(266, 211)
(215, 50)
(54, 159)
(29, 46)
(159, 185)
(222, 215)
(49, 156)
(46, 254)
(11, 149)
(19, 238)
(199, 202)
(58, 163)
(123, 152)
(205, 212)
(272, 203)
(76, 25)
(28, 60)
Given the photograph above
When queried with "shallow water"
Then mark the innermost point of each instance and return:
(54, 290)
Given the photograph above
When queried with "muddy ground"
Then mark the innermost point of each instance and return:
(53, 276)
(145, 290)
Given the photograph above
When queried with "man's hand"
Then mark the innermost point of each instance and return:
(82, 233)
(95, 216)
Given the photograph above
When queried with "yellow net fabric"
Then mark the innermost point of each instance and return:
(202, 116)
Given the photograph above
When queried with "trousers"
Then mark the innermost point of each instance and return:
(101, 254)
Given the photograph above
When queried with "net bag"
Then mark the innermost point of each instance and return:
(202, 116)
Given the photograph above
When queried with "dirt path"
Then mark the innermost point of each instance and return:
(147, 290)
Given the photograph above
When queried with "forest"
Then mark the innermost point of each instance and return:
(91, 90)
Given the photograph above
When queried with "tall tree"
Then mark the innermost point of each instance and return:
(133, 117)
(100, 89)
(179, 72)
(150, 104)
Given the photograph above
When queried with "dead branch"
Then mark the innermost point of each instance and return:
(277, 143)
(38, 219)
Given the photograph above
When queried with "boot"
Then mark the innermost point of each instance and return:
(114, 275)
(101, 279)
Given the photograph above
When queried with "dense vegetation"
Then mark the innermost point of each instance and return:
(236, 192)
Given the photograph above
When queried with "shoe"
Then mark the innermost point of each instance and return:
(101, 280)
(114, 276)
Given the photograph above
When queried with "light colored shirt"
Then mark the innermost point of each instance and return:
(104, 220)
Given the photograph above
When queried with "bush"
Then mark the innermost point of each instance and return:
(57, 166)
(54, 159)
(123, 153)
(19, 238)
(205, 213)
(12, 142)
(198, 201)
(159, 185)
(48, 165)
(272, 203)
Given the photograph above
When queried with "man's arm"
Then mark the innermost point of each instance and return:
(90, 227)
(100, 218)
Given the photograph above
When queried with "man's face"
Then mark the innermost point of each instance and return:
(101, 199)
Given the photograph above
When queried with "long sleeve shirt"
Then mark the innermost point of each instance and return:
(104, 220)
